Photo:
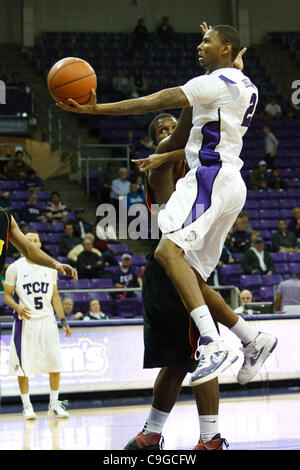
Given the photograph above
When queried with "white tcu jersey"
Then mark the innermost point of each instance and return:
(223, 104)
(33, 285)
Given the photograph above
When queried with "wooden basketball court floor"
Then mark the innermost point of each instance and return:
(256, 423)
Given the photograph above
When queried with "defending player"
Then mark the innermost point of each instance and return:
(208, 199)
(35, 340)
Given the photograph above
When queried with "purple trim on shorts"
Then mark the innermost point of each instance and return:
(222, 77)
(18, 337)
(211, 138)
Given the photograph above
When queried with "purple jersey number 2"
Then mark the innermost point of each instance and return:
(250, 111)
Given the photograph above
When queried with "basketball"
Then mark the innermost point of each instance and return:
(71, 77)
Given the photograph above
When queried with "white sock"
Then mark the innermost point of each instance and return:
(244, 331)
(54, 395)
(25, 398)
(209, 427)
(204, 322)
(155, 421)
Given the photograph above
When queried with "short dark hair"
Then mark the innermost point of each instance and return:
(68, 223)
(34, 231)
(56, 193)
(230, 35)
(92, 300)
(152, 126)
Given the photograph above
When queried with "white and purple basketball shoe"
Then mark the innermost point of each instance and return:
(255, 354)
(214, 357)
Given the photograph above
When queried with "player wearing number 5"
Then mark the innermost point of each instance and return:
(35, 345)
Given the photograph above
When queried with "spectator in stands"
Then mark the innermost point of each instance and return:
(271, 146)
(283, 240)
(56, 210)
(275, 180)
(107, 175)
(245, 217)
(288, 291)
(89, 264)
(95, 312)
(165, 31)
(75, 252)
(23, 227)
(133, 197)
(253, 236)
(140, 33)
(140, 184)
(120, 85)
(239, 237)
(31, 212)
(101, 244)
(259, 178)
(226, 258)
(245, 298)
(5, 200)
(273, 109)
(257, 260)
(120, 186)
(125, 275)
(68, 307)
(16, 169)
(33, 182)
(68, 240)
(81, 226)
(17, 81)
(294, 225)
(138, 83)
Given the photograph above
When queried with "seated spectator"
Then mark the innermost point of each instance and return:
(138, 84)
(16, 169)
(133, 197)
(259, 178)
(33, 182)
(81, 226)
(257, 260)
(5, 200)
(94, 312)
(23, 227)
(68, 306)
(140, 184)
(107, 175)
(140, 33)
(240, 238)
(120, 85)
(75, 252)
(125, 275)
(253, 236)
(273, 109)
(288, 291)
(89, 264)
(245, 298)
(245, 217)
(283, 240)
(294, 225)
(120, 186)
(216, 278)
(165, 31)
(31, 212)
(56, 210)
(275, 180)
(68, 240)
(102, 245)
(271, 146)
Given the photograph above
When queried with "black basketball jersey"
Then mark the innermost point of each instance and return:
(5, 223)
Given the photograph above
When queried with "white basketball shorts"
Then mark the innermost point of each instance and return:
(35, 347)
(201, 211)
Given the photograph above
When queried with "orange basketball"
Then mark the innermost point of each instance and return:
(71, 78)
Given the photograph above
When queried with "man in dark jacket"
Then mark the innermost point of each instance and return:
(31, 212)
(257, 260)
(68, 240)
(283, 240)
(81, 226)
(240, 238)
(89, 264)
(294, 225)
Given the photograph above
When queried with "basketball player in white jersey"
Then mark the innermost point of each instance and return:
(208, 199)
(35, 345)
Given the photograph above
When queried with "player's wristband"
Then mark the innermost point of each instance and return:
(63, 322)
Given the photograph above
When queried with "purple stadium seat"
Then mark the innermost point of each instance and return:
(17, 205)
(285, 214)
(63, 284)
(271, 280)
(266, 293)
(128, 308)
(265, 234)
(119, 248)
(43, 195)
(53, 249)
(19, 195)
(101, 283)
(293, 257)
(231, 272)
(54, 237)
(11, 185)
(63, 259)
(57, 227)
(268, 204)
(287, 203)
(40, 226)
(238, 257)
(44, 237)
(248, 281)
(10, 260)
(279, 257)
(282, 268)
(138, 260)
(267, 224)
(80, 284)
(268, 214)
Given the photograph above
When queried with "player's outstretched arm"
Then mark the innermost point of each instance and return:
(158, 159)
(164, 99)
(35, 255)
